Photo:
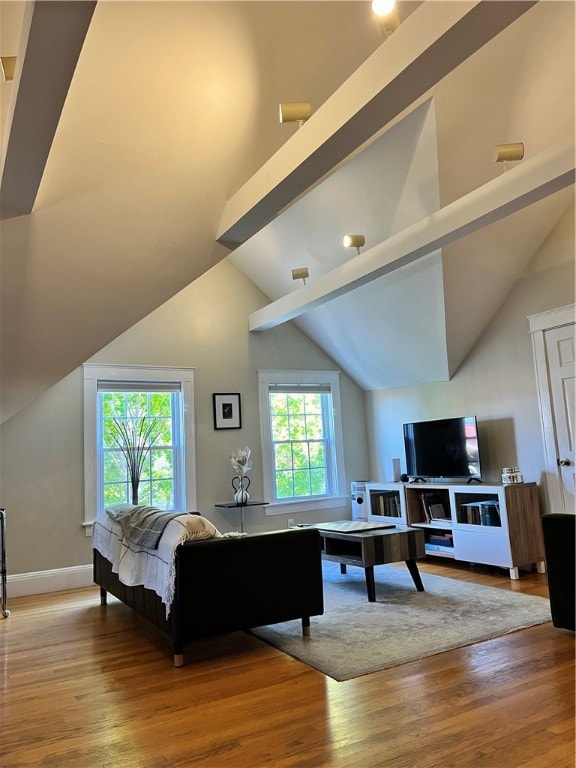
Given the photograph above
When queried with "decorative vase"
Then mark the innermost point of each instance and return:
(240, 485)
(135, 483)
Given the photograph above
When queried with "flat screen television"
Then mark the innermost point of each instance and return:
(443, 448)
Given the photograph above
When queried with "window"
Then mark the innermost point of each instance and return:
(133, 414)
(301, 439)
(151, 403)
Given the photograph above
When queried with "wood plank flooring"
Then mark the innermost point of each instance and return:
(90, 687)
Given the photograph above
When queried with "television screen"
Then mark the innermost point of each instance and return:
(442, 448)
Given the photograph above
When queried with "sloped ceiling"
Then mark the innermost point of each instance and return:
(418, 324)
(173, 107)
(386, 187)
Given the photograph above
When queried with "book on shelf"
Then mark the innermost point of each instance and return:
(490, 514)
(484, 512)
(388, 505)
(433, 506)
(429, 547)
(425, 510)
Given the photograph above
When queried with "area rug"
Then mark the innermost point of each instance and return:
(355, 637)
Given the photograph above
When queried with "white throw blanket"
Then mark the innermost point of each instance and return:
(151, 568)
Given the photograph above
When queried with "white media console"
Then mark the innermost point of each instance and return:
(496, 525)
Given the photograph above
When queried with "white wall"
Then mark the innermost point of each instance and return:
(496, 382)
(205, 326)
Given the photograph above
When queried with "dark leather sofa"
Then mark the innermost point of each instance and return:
(559, 544)
(229, 584)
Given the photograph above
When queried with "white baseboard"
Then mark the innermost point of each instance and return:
(57, 580)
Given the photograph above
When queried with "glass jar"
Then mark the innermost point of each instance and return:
(511, 475)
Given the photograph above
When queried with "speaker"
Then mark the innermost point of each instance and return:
(359, 499)
(392, 470)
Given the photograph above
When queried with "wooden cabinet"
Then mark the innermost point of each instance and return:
(496, 525)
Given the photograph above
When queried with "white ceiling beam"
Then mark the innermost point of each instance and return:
(52, 41)
(424, 49)
(529, 182)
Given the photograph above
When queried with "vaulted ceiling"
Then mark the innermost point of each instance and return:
(131, 127)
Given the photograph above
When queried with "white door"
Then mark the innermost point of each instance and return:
(560, 348)
(554, 356)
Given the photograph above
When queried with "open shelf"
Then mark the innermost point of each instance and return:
(386, 503)
(439, 551)
(443, 524)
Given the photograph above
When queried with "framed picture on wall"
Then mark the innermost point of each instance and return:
(227, 414)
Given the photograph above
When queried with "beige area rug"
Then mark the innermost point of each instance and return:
(355, 637)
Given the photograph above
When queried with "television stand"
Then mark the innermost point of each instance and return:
(473, 480)
(488, 524)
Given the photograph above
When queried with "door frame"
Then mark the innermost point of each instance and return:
(539, 324)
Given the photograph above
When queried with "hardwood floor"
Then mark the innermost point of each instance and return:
(94, 687)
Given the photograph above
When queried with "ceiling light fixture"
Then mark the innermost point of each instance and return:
(294, 112)
(301, 273)
(354, 241)
(8, 66)
(506, 153)
(387, 17)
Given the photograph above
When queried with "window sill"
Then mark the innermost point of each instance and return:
(306, 505)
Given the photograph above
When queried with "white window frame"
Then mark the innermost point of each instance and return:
(94, 373)
(266, 378)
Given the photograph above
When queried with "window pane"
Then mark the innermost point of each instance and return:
(115, 467)
(301, 483)
(115, 493)
(162, 464)
(297, 427)
(314, 427)
(137, 403)
(108, 432)
(280, 427)
(300, 454)
(278, 404)
(317, 455)
(145, 471)
(283, 456)
(313, 403)
(295, 404)
(144, 494)
(162, 494)
(284, 485)
(163, 431)
(113, 404)
(318, 482)
(160, 404)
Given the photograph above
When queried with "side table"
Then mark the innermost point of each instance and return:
(241, 507)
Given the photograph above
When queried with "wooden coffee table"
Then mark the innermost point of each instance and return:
(378, 546)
